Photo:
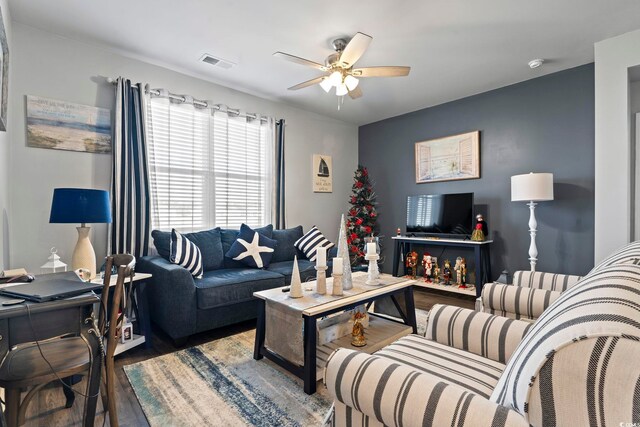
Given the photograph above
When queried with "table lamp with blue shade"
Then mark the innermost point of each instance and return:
(81, 206)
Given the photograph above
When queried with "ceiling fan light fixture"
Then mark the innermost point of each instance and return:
(326, 84)
(351, 82)
(335, 78)
(341, 90)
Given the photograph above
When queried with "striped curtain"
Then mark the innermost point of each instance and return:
(129, 232)
(280, 218)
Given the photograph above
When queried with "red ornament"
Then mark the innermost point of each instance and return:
(354, 249)
(372, 214)
(354, 236)
(359, 221)
(367, 229)
(353, 199)
(353, 212)
(359, 184)
(365, 172)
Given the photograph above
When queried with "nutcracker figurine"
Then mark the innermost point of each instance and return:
(436, 270)
(482, 231)
(463, 274)
(412, 264)
(358, 330)
(446, 272)
(427, 265)
(457, 267)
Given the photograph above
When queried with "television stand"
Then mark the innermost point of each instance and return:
(481, 250)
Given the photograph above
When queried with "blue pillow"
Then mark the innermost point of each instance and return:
(252, 248)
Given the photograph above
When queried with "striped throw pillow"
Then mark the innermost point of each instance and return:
(186, 254)
(310, 242)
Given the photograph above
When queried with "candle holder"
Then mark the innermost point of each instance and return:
(337, 285)
(373, 273)
(321, 280)
(372, 254)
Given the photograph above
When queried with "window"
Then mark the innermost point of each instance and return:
(208, 170)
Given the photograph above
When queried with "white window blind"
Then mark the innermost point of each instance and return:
(208, 169)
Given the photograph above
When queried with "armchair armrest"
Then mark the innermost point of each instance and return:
(397, 395)
(172, 296)
(484, 334)
(542, 280)
(515, 301)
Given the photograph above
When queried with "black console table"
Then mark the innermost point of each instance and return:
(481, 250)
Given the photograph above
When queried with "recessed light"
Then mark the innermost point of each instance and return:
(535, 63)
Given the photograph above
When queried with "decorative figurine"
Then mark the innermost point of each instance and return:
(463, 274)
(358, 330)
(412, 264)
(427, 265)
(446, 272)
(436, 270)
(457, 267)
(482, 231)
(398, 232)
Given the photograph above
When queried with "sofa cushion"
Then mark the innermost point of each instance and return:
(230, 286)
(251, 248)
(286, 250)
(310, 242)
(229, 236)
(208, 241)
(475, 373)
(186, 254)
(307, 272)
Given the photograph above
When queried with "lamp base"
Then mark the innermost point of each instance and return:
(83, 254)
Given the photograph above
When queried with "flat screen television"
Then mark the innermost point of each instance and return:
(443, 215)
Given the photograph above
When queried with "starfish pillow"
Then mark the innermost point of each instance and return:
(252, 248)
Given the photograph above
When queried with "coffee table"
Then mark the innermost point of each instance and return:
(296, 319)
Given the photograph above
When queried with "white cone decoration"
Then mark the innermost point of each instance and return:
(296, 283)
(343, 252)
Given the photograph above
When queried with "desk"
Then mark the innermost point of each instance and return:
(481, 252)
(144, 335)
(51, 319)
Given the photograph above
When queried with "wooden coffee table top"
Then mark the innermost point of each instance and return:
(314, 304)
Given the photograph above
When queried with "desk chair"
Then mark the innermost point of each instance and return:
(24, 366)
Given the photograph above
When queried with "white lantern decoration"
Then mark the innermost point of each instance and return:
(54, 264)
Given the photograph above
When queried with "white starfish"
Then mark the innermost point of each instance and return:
(253, 249)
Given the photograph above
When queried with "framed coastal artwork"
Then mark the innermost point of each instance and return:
(62, 125)
(448, 159)
(322, 174)
(4, 75)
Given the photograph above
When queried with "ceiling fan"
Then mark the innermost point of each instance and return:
(338, 67)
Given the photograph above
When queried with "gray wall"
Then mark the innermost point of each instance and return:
(540, 125)
(55, 67)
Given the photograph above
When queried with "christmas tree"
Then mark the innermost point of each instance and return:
(362, 220)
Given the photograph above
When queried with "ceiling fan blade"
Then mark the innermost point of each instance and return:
(300, 61)
(354, 49)
(355, 93)
(307, 83)
(391, 71)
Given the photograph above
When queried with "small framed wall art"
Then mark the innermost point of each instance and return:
(449, 158)
(322, 174)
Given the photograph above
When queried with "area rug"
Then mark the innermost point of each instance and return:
(219, 384)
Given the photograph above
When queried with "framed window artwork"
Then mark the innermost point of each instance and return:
(449, 158)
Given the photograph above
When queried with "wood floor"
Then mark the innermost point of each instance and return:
(47, 408)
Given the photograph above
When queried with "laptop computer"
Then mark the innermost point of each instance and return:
(48, 287)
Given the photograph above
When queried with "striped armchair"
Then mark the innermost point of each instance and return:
(576, 365)
(529, 295)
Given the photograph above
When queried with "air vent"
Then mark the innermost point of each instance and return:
(216, 62)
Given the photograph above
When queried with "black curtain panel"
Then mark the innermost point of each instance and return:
(280, 220)
(129, 232)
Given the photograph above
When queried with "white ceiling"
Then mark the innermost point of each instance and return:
(455, 48)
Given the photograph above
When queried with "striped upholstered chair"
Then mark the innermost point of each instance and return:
(527, 297)
(576, 365)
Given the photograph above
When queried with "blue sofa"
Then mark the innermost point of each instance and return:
(182, 305)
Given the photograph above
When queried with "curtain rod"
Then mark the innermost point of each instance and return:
(196, 102)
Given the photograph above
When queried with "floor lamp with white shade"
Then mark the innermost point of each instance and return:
(532, 187)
